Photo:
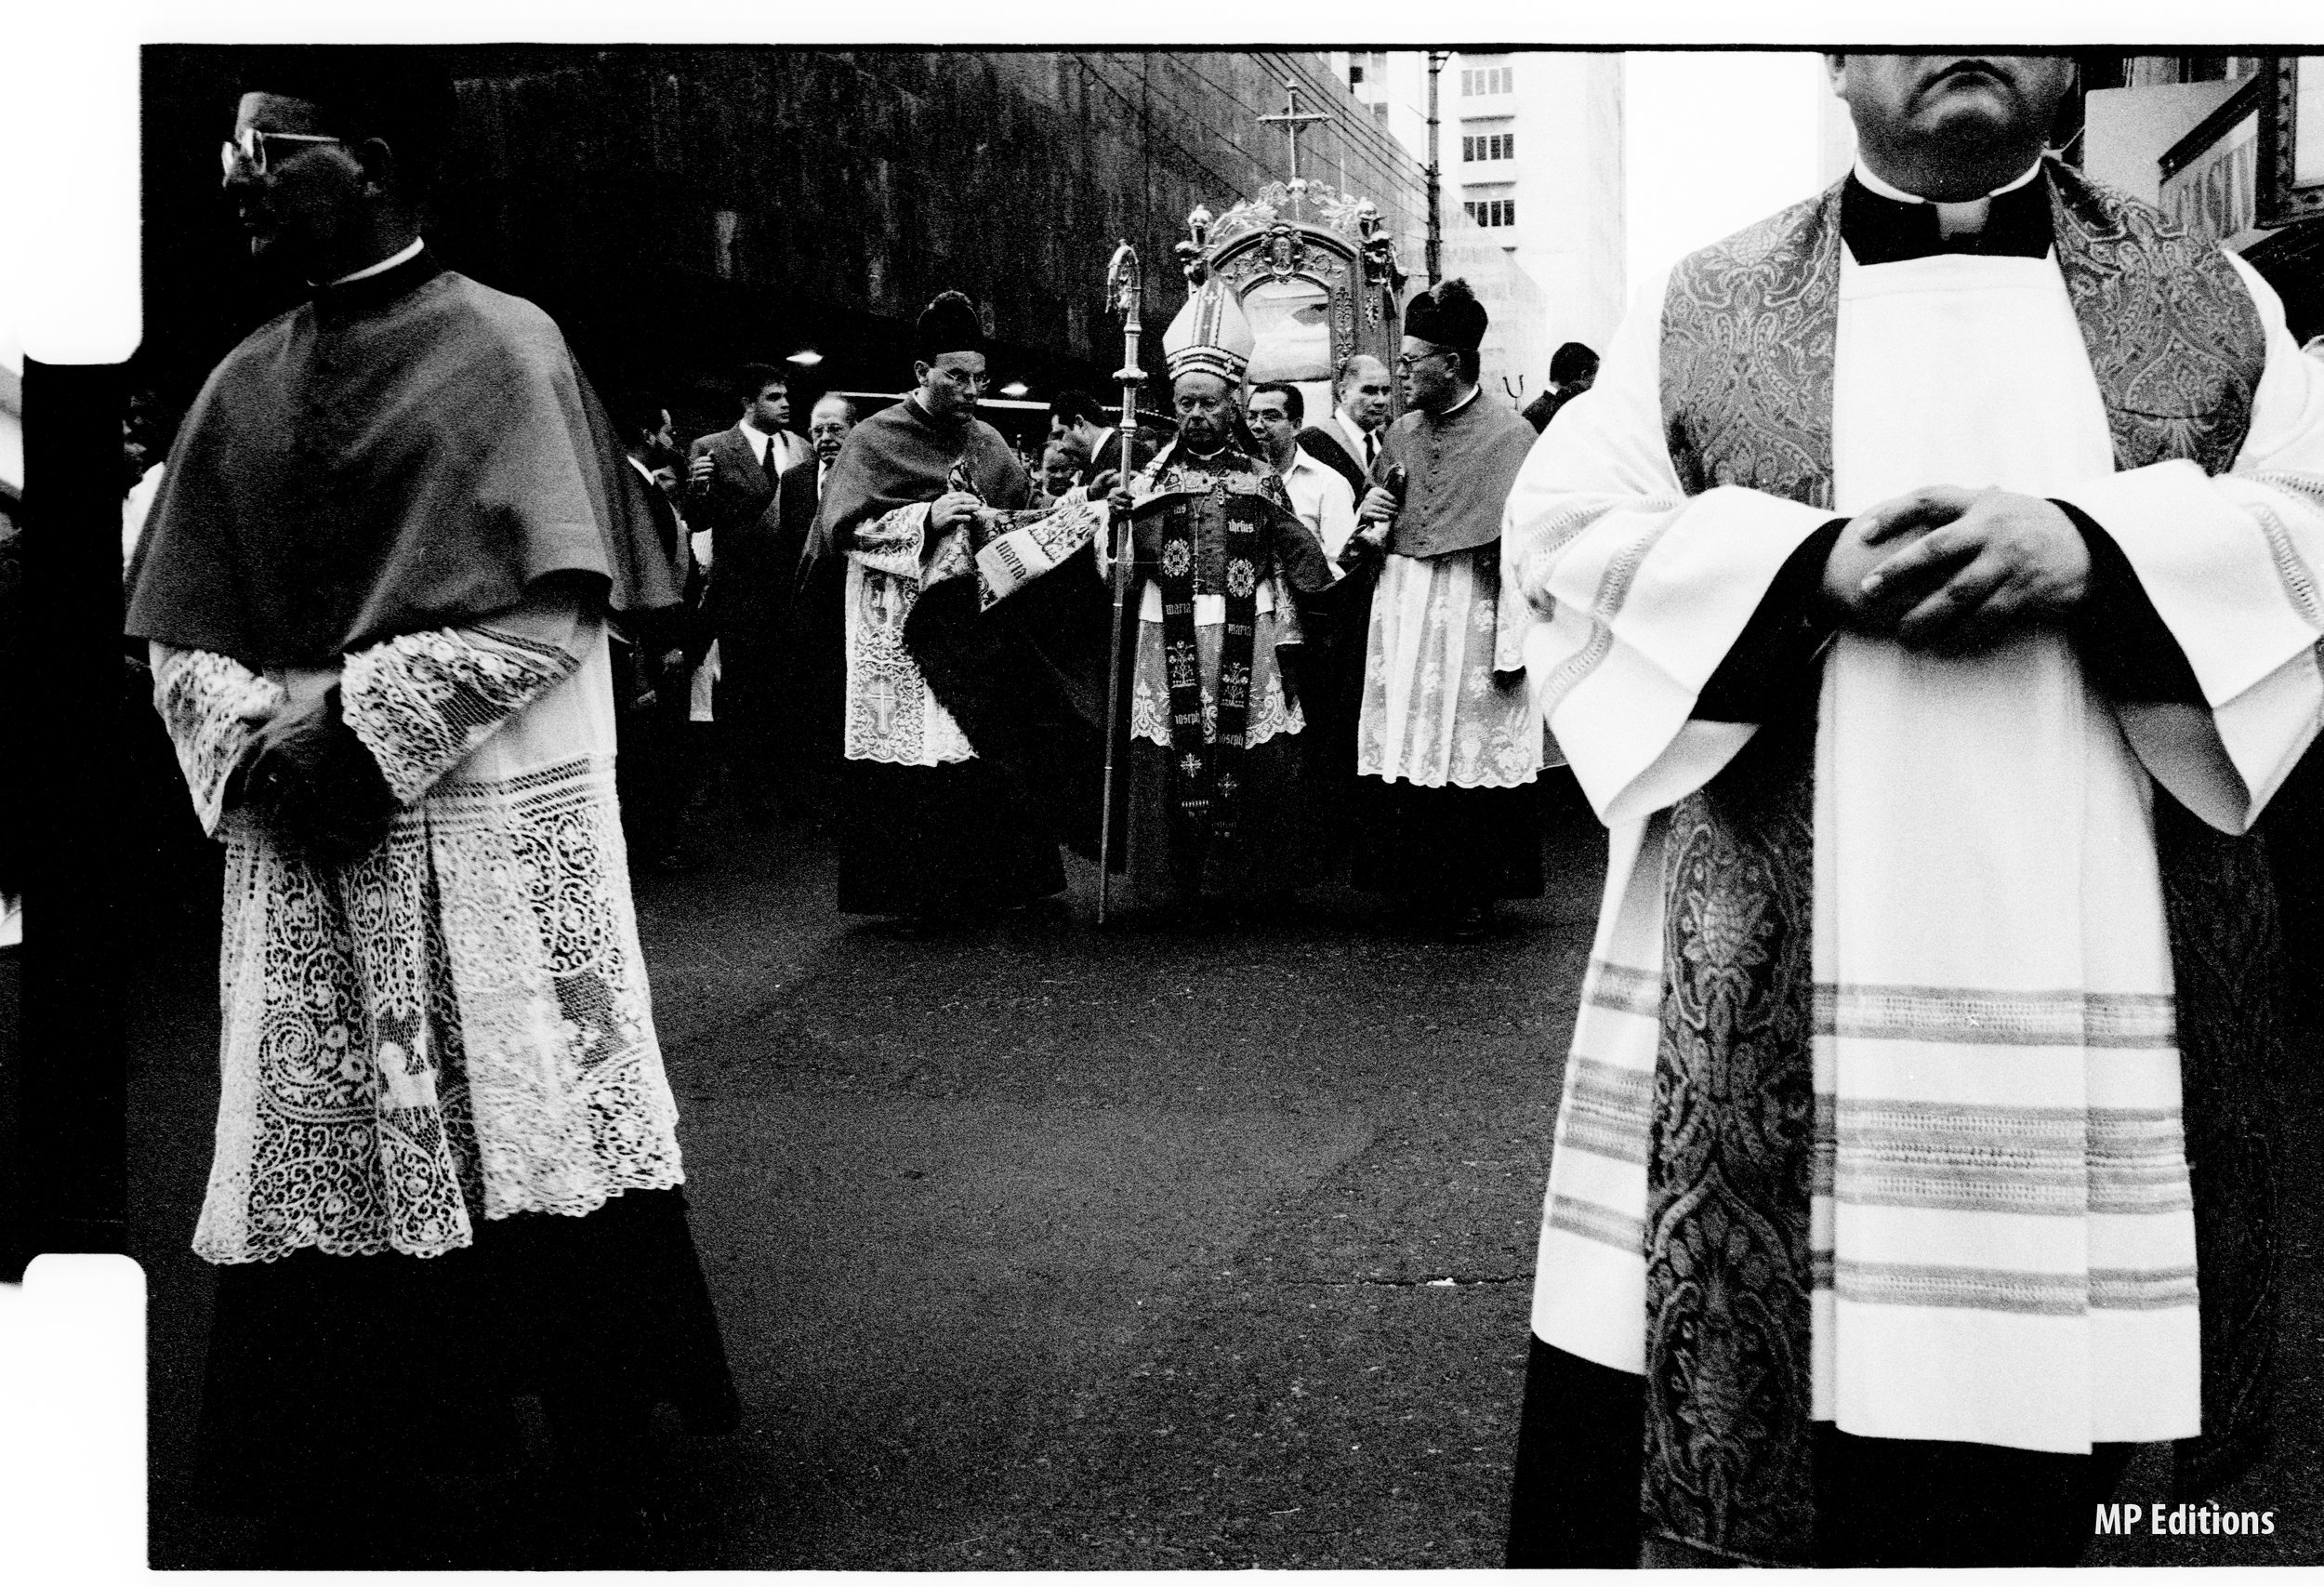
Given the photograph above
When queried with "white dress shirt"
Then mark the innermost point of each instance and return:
(1323, 501)
(1363, 445)
(786, 447)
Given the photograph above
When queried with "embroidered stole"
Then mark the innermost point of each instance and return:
(1750, 329)
(1205, 764)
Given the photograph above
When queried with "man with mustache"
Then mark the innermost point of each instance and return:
(1930, 616)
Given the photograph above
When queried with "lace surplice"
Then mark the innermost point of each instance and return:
(890, 713)
(1272, 712)
(1442, 708)
(458, 1022)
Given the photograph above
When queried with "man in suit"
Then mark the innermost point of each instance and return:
(1571, 368)
(1077, 417)
(654, 654)
(811, 632)
(729, 483)
(1339, 619)
(730, 475)
(1348, 440)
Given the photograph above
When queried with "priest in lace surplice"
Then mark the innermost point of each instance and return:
(1930, 599)
(1448, 746)
(938, 829)
(374, 590)
(1217, 809)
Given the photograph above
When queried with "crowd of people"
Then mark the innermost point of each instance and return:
(1376, 736)
(1922, 598)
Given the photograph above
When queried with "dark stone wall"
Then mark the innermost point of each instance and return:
(681, 209)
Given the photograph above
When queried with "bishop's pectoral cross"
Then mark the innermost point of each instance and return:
(1293, 121)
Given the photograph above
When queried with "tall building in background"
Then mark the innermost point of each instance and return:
(1531, 145)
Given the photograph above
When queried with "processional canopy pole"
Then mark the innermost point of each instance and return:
(1125, 284)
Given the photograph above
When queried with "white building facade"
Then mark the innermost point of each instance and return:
(1531, 150)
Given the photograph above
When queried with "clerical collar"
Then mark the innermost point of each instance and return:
(1475, 392)
(409, 250)
(912, 400)
(1884, 225)
(381, 283)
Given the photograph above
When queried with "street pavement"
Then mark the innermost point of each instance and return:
(1038, 1246)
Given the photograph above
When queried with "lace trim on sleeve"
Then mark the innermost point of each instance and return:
(421, 703)
(213, 707)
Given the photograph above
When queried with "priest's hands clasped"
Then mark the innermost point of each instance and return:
(313, 784)
(1952, 570)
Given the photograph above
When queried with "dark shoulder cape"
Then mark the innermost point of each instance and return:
(1026, 679)
(1460, 470)
(1748, 332)
(900, 455)
(404, 457)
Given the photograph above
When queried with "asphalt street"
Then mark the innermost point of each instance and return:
(1035, 1247)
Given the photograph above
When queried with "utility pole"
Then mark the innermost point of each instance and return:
(1435, 179)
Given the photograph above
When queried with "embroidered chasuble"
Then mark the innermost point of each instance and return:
(1920, 1079)
(1219, 550)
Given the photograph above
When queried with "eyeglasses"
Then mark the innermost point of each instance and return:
(1408, 359)
(247, 148)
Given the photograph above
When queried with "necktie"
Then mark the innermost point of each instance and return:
(1371, 450)
(767, 462)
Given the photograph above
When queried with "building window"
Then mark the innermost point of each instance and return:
(1355, 74)
(1489, 146)
(1481, 80)
(1492, 211)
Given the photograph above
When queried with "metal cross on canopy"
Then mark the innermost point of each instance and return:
(1293, 120)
